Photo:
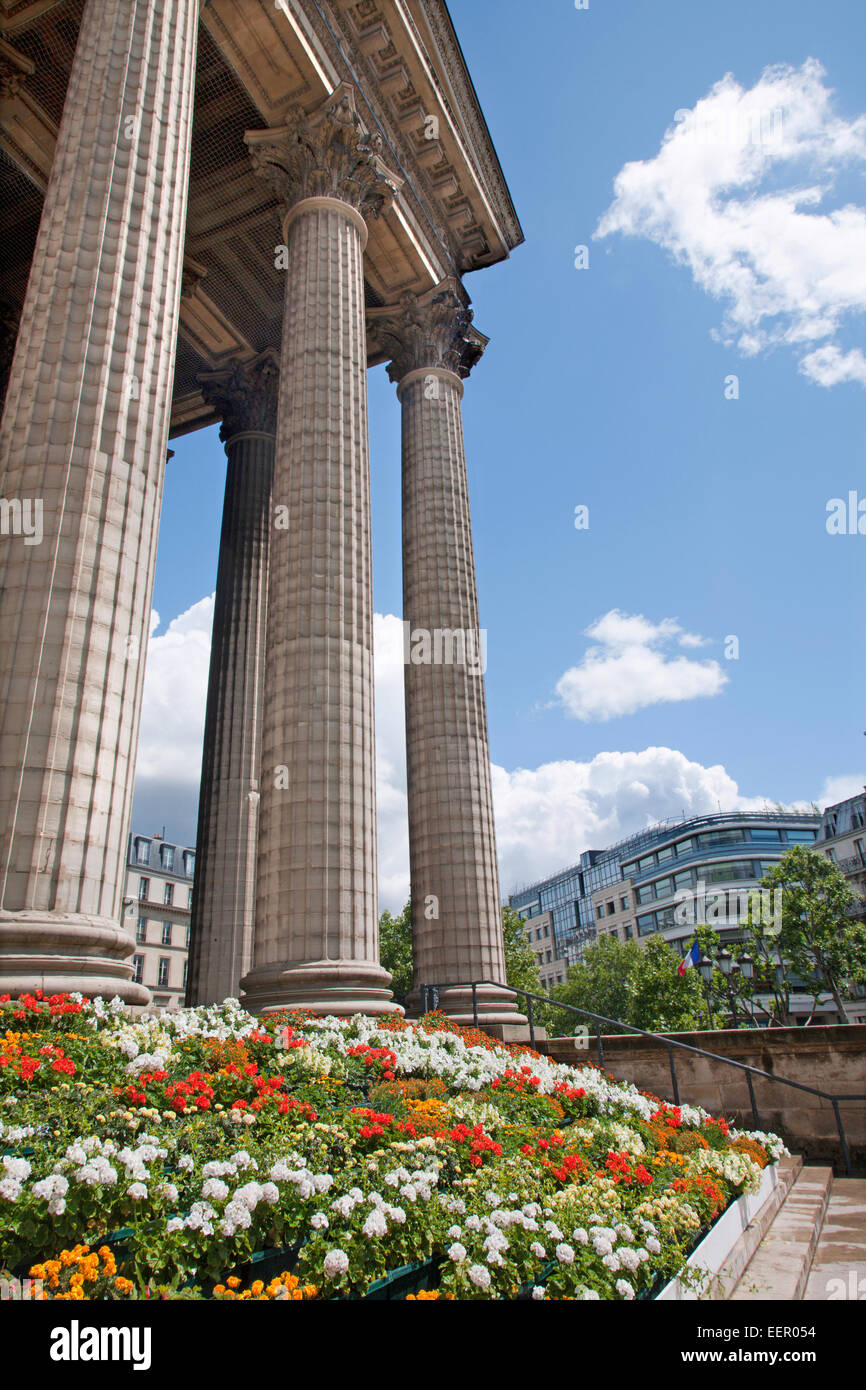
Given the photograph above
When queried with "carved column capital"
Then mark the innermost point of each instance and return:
(433, 332)
(245, 395)
(327, 154)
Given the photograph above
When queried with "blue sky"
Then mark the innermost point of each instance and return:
(606, 387)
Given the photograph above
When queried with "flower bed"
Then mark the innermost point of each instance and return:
(209, 1154)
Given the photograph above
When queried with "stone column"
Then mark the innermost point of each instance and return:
(456, 922)
(223, 904)
(316, 932)
(82, 449)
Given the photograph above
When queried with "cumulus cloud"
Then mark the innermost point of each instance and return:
(630, 667)
(545, 816)
(739, 193)
(840, 788)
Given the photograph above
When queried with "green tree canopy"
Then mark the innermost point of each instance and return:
(633, 984)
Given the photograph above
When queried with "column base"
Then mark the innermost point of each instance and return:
(342, 988)
(497, 1009)
(66, 952)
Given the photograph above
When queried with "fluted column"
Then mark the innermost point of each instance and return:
(456, 922)
(83, 439)
(223, 904)
(316, 928)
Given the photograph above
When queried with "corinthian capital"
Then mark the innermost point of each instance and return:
(430, 332)
(328, 154)
(244, 394)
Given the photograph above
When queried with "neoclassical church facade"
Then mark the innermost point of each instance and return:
(228, 211)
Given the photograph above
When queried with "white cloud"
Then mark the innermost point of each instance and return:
(735, 193)
(545, 816)
(839, 789)
(628, 669)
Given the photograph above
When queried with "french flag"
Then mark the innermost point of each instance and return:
(691, 959)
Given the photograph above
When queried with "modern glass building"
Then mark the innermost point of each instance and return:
(668, 878)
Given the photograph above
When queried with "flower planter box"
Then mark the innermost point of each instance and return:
(711, 1253)
(400, 1282)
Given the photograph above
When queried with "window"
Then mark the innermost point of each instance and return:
(623, 904)
(188, 863)
(646, 863)
(682, 880)
(142, 851)
(801, 837)
(189, 904)
(645, 894)
(168, 857)
(141, 929)
(764, 836)
(162, 977)
(728, 873)
(137, 969)
(664, 887)
(599, 911)
(858, 818)
(168, 894)
(831, 854)
(646, 925)
(860, 847)
(720, 837)
(144, 888)
(185, 972)
(667, 853)
(611, 909)
(629, 930)
(166, 933)
(188, 934)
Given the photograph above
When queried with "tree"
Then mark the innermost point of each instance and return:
(521, 967)
(819, 939)
(633, 984)
(395, 949)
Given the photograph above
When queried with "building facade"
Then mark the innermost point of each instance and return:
(666, 879)
(157, 909)
(842, 838)
(256, 202)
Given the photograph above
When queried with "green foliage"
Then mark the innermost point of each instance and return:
(634, 984)
(819, 939)
(395, 949)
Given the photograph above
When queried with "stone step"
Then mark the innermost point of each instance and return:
(839, 1265)
(779, 1268)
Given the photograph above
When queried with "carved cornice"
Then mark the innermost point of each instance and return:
(244, 394)
(328, 154)
(433, 332)
(14, 68)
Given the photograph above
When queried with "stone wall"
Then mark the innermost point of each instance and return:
(829, 1057)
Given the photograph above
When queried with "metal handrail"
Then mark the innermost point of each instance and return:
(668, 1042)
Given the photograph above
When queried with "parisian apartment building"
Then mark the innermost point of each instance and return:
(156, 906)
(634, 888)
(842, 837)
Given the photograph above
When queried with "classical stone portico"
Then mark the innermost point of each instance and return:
(228, 211)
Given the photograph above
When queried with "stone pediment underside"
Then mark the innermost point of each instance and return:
(256, 61)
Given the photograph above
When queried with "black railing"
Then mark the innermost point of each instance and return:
(430, 1000)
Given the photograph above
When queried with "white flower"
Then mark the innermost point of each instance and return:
(457, 1252)
(51, 1188)
(454, 1232)
(579, 1234)
(564, 1254)
(174, 1225)
(602, 1245)
(628, 1258)
(376, 1224)
(319, 1221)
(10, 1189)
(611, 1262)
(138, 1191)
(17, 1168)
(590, 1296)
(215, 1190)
(537, 1250)
(479, 1276)
(653, 1245)
(185, 1163)
(624, 1289)
(336, 1263)
(538, 1293)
